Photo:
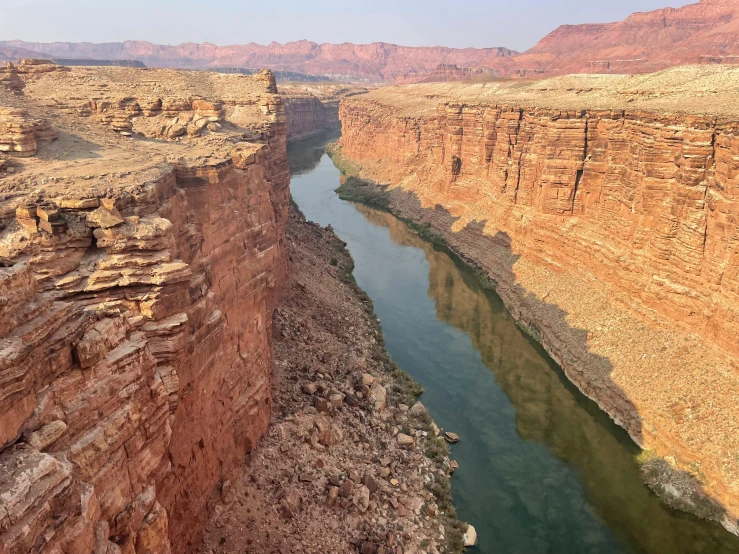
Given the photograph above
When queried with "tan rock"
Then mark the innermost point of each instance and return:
(47, 434)
(378, 395)
(451, 437)
(79, 204)
(470, 536)
(405, 441)
(361, 498)
(105, 218)
(418, 410)
(333, 495)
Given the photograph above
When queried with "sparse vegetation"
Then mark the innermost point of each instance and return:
(679, 489)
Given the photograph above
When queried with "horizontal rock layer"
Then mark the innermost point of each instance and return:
(308, 116)
(135, 314)
(611, 234)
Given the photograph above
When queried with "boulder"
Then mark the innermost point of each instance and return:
(451, 437)
(378, 395)
(361, 498)
(418, 410)
(405, 440)
(47, 434)
(470, 536)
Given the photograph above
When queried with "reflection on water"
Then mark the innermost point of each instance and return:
(542, 469)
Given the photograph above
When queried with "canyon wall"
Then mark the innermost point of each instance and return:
(313, 108)
(611, 234)
(308, 116)
(140, 257)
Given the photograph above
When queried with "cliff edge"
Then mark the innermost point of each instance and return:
(142, 242)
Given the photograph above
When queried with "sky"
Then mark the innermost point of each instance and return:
(516, 24)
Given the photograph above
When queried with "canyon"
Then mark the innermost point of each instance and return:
(180, 350)
(604, 210)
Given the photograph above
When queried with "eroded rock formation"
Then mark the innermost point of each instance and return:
(608, 222)
(140, 255)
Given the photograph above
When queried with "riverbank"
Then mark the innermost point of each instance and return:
(350, 462)
(678, 487)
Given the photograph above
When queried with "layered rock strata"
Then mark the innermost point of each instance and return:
(138, 273)
(701, 32)
(312, 109)
(608, 222)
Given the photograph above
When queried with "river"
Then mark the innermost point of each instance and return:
(542, 468)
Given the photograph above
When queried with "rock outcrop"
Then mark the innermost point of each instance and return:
(139, 267)
(608, 222)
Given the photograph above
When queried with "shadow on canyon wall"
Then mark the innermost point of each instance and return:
(306, 154)
(549, 409)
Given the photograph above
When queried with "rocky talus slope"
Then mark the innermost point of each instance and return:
(141, 252)
(351, 463)
(606, 211)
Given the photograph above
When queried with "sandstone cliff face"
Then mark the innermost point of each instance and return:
(137, 279)
(611, 233)
(313, 108)
(308, 116)
(445, 73)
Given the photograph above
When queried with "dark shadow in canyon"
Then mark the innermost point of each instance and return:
(548, 407)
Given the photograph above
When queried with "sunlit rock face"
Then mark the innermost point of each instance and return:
(139, 268)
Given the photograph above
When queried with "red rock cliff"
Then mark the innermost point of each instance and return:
(611, 232)
(704, 32)
(137, 280)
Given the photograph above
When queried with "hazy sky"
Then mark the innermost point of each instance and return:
(517, 24)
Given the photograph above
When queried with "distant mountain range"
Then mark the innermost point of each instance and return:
(706, 32)
(369, 62)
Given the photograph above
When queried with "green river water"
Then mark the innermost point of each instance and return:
(542, 468)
